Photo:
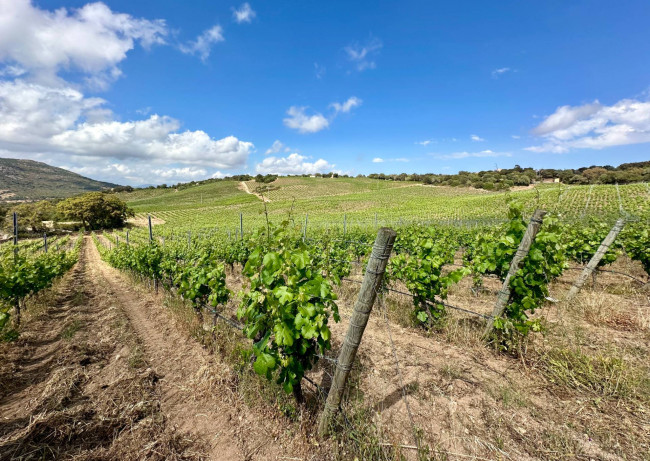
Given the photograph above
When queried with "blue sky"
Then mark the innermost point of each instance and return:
(165, 91)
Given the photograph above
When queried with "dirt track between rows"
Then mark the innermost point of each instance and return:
(188, 385)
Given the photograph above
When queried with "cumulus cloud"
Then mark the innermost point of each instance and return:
(118, 172)
(481, 154)
(594, 126)
(377, 160)
(187, 173)
(37, 118)
(362, 56)
(346, 106)
(92, 40)
(243, 14)
(202, 46)
(277, 147)
(476, 138)
(292, 164)
(298, 120)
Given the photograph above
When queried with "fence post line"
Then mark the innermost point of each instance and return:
(241, 225)
(372, 280)
(524, 247)
(595, 259)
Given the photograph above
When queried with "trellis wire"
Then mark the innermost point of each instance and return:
(467, 311)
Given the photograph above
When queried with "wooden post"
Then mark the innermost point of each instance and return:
(241, 225)
(150, 230)
(17, 305)
(345, 224)
(15, 237)
(45, 242)
(127, 237)
(524, 246)
(595, 259)
(304, 231)
(371, 282)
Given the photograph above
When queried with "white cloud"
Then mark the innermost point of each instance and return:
(92, 40)
(12, 71)
(187, 173)
(202, 46)
(36, 118)
(476, 138)
(346, 106)
(319, 70)
(218, 175)
(377, 160)
(515, 136)
(481, 154)
(594, 126)
(425, 142)
(277, 147)
(496, 73)
(363, 56)
(292, 164)
(299, 120)
(244, 14)
(400, 159)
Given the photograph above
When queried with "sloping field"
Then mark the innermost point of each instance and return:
(366, 202)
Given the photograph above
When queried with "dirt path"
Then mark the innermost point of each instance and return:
(122, 335)
(244, 187)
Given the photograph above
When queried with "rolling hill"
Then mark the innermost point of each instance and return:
(26, 180)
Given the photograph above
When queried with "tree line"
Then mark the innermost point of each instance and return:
(502, 179)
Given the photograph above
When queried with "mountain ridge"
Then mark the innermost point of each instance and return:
(28, 180)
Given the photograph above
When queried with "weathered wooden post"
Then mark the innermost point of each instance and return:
(595, 259)
(516, 263)
(304, 231)
(17, 305)
(345, 224)
(127, 237)
(150, 230)
(371, 283)
(15, 237)
(45, 242)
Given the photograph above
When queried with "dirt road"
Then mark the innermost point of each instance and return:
(102, 372)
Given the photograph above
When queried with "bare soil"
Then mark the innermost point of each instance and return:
(106, 369)
(101, 372)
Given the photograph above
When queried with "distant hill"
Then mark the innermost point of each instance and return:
(22, 180)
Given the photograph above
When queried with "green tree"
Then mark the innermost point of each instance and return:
(31, 216)
(96, 210)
